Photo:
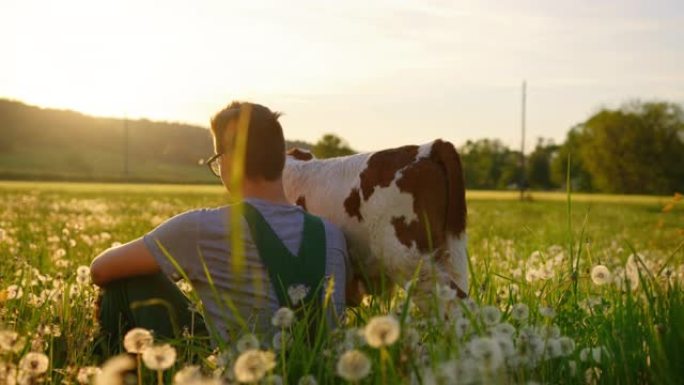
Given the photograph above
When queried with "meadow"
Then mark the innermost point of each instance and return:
(563, 291)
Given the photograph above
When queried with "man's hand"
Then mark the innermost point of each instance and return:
(128, 260)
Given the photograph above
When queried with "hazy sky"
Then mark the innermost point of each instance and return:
(379, 74)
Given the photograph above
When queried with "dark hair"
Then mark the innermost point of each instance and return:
(265, 153)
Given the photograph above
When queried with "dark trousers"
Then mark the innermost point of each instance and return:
(152, 302)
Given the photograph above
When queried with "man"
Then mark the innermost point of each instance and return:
(287, 252)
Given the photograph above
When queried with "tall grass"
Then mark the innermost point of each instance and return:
(48, 232)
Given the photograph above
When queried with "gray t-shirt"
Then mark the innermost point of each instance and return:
(203, 235)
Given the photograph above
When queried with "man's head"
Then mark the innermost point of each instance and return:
(265, 152)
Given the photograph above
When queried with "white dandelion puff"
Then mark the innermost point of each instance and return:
(252, 365)
(283, 317)
(490, 315)
(137, 340)
(281, 340)
(34, 363)
(503, 329)
(10, 341)
(114, 369)
(600, 275)
(83, 271)
(273, 379)
(567, 345)
(547, 312)
(382, 331)
(487, 352)
(188, 375)
(297, 293)
(14, 292)
(307, 380)
(87, 374)
(247, 342)
(159, 357)
(353, 365)
(520, 312)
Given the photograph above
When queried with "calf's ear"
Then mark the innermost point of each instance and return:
(299, 154)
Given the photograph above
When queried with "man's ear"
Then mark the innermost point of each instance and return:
(299, 154)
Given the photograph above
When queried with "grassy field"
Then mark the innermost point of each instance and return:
(541, 309)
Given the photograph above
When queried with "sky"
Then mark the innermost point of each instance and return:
(378, 73)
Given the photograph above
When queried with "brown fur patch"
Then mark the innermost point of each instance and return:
(383, 165)
(352, 205)
(299, 154)
(301, 201)
(437, 186)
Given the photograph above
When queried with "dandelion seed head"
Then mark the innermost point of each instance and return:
(486, 352)
(567, 345)
(520, 312)
(83, 271)
(14, 292)
(490, 315)
(283, 318)
(382, 331)
(159, 357)
(34, 363)
(113, 370)
(10, 341)
(252, 365)
(188, 375)
(547, 312)
(503, 329)
(307, 380)
(137, 340)
(87, 374)
(353, 365)
(247, 342)
(600, 275)
(273, 379)
(297, 293)
(281, 340)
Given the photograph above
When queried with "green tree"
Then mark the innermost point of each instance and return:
(635, 149)
(580, 178)
(489, 164)
(330, 146)
(538, 165)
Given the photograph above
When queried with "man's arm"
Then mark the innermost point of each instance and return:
(128, 260)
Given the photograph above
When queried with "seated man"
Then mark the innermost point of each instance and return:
(287, 252)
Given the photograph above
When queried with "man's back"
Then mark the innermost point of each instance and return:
(201, 237)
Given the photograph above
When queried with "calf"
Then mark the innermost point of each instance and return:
(396, 207)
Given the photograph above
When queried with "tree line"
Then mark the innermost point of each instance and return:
(636, 148)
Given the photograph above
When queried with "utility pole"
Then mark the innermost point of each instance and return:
(125, 149)
(522, 143)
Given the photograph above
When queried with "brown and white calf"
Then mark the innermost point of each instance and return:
(396, 207)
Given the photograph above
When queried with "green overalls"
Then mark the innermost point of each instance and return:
(117, 316)
(285, 269)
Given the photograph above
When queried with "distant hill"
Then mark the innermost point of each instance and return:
(51, 144)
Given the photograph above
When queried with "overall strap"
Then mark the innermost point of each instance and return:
(285, 269)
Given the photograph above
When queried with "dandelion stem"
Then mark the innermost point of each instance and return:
(139, 368)
(383, 356)
(160, 378)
